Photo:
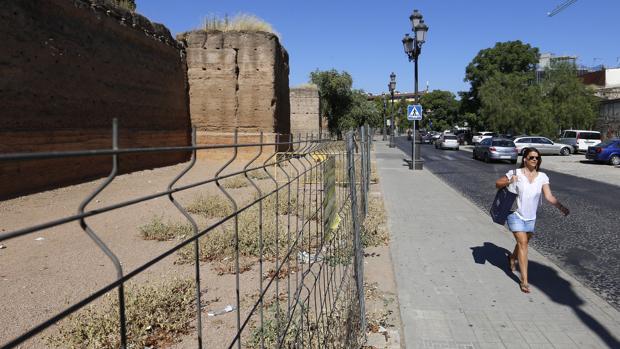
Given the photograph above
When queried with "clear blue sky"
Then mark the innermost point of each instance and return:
(363, 37)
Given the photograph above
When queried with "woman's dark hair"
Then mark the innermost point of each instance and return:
(526, 152)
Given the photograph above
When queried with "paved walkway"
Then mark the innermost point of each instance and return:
(454, 288)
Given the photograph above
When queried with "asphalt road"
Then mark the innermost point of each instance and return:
(585, 243)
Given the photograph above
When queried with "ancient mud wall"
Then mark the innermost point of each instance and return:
(67, 68)
(237, 80)
(305, 110)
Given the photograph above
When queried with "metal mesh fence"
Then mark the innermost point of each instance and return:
(299, 230)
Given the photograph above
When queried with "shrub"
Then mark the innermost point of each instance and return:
(156, 315)
(159, 230)
(211, 206)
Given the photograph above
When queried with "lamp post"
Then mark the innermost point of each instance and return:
(392, 87)
(413, 48)
(384, 100)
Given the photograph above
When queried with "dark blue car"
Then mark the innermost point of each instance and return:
(608, 151)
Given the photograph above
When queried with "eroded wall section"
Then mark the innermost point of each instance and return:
(305, 110)
(67, 68)
(237, 80)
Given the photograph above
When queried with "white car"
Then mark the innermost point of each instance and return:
(479, 136)
(580, 140)
(447, 141)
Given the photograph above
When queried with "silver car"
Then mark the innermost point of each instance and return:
(496, 149)
(543, 144)
(447, 141)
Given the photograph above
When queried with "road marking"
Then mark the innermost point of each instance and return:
(448, 157)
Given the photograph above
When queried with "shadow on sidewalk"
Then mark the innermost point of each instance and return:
(548, 281)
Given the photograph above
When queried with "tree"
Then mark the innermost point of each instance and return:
(504, 58)
(441, 107)
(573, 105)
(361, 111)
(335, 94)
(511, 103)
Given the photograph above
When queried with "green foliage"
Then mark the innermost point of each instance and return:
(441, 107)
(504, 58)
(505, 97)
(360, 112)
(156, 316)
(511, 103)
(336, 95)
(573, 105)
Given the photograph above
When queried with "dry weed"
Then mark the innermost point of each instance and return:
(159, 230)
(211, 206)
(374, 229)
(156, 316)
(235, 182)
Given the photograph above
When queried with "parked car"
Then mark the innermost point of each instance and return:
(608, 151)
(427, 138)
(580, 140)
(496, 149)
(447, 141)
(479, 136)
(543, 144)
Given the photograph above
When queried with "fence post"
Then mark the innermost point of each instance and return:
(363, 187)
(357, 241)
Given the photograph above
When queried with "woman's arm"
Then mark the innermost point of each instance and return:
(552, 200)
(502, 182)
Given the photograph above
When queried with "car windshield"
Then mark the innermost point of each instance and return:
(449, 137)
(503, 143)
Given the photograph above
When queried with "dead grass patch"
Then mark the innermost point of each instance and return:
(374, 228)
(156, 316)
(211, 206)
(235, 182)
(159, 230)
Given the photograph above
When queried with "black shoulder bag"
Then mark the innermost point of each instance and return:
(502, 204)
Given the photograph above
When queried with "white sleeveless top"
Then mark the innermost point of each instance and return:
(528, 193)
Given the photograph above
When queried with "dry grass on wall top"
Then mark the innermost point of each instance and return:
(156, 316)
(240, 22)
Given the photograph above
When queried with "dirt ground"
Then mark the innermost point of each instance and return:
(43, 272)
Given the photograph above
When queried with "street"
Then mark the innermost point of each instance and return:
(584, 243)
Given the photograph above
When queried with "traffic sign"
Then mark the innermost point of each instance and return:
(414, 112)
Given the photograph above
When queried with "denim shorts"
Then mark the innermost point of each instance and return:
(515, 223)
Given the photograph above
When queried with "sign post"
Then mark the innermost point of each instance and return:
(414, 113)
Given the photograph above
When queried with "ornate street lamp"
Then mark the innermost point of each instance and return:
(413, 48)
(392, 87)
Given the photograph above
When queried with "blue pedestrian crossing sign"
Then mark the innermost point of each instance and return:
(414, 112)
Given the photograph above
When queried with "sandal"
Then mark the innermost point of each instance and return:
(525, 288)
(511, 263)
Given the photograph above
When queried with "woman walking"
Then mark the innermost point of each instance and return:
(528, 183)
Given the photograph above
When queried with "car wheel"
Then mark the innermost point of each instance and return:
(486, 158)
(473, 155)
(565, 151)
(614, 160)
(513, 161)
(457, 148)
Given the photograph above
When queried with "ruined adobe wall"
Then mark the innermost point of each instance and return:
(237, 80)
(305, 110)
(69, 67)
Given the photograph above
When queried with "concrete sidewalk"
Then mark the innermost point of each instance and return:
(453, 282)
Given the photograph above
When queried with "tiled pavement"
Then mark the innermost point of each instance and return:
(454, 288)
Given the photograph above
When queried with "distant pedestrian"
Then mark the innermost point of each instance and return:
(528, 183)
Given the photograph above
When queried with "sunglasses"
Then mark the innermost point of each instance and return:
(533, 158)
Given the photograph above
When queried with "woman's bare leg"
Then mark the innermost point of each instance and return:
(521, 250)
